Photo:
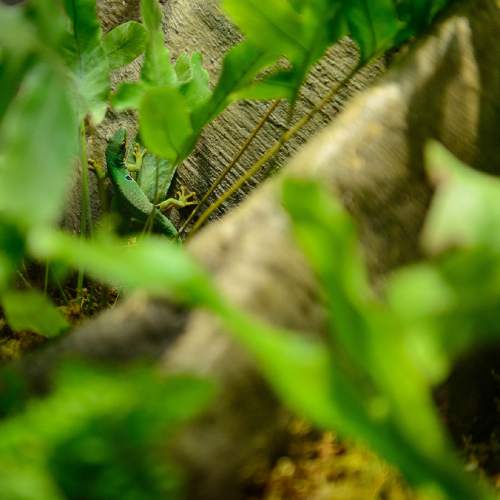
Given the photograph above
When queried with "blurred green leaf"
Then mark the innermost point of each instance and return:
(38, 142)
(369, 344)
(465, 211)
(193, 79)
(116, 442)
(157, 69)
(165, 123)
(278, 85)
(240, 67)
(124, 43)
(152, 264)
(374, 25)
(17, 43)
(12, 251)
(151, 15)
(128, 96)
(329, 240)
(31, 311)
(418, 14)
(47, 16)
(274, 26)
(301, 32)
(88, 59)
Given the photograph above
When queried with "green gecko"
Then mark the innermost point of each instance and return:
(130, 198)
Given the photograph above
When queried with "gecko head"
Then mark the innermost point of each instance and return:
(117, 146)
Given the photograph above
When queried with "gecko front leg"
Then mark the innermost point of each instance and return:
(139, 153)
(183, 199)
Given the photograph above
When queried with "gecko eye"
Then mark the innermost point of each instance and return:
(128, 178)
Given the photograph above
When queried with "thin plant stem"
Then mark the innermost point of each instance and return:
(285, 137)
(85, 215)
(24, 279)
(46, 278)
(62, 292)
(231, 165)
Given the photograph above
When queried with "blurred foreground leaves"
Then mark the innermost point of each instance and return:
(101, 434)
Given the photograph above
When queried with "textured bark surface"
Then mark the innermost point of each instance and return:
(372, 156)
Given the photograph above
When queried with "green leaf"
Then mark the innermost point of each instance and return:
(240, 67)
(155, 177)
(31, 311)
(17, 43)
(324, 25)
(151, 15)
(47, 448)
(418, 14)
(51, 26)
(38, 141)
(465, 211)
(124, 44)
(152, 264)
(374, 26)
(12, 251)
(193, 79)
(88, 59)
(16, 34)
(165, 123)
(128, 96)
(300, 32)
(280, 85)
(368, 346)
(274, 26)
(157, 69)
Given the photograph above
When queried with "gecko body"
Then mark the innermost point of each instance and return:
(130, 198)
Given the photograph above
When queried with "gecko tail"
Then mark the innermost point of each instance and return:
(163, 225)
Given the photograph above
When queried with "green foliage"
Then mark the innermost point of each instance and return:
(175, 102)
(124, 43)
(103, 430)
(193, 79)
(33, 312)
(239, 68)
(153, 264)
(87, 59)
(32, 168)
(12, 249)
(157, 69)
(166, 95)
(303, 31)
(155, 176)
(165, 122)
(373, 25)
(465, 211)
(90, 56)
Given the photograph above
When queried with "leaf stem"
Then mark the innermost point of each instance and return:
(23, 279)
(85, 214)
(231, 165)
(285, 137)
(46, 278)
